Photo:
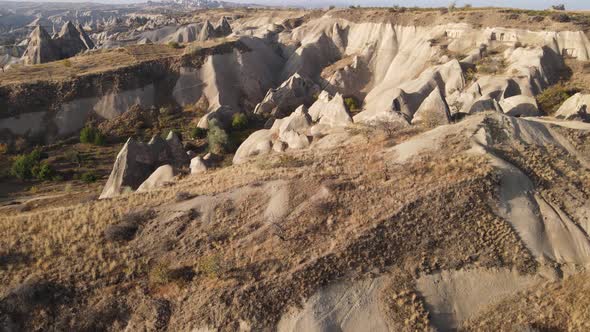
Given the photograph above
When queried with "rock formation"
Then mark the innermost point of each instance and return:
(329, 112)
(433, 111)
(198, 165)
(223, 27)
(70, 41)
(137, 161)
(161, 176)
(576, 107)
(41, 48)
(288, 133)
(520, 105)
(295, 91)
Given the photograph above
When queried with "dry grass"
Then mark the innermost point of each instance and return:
(217, 244)
(558, 306)
(94, 62)
(476, 16)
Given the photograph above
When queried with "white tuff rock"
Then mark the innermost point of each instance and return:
(160, 177)
(575, 108)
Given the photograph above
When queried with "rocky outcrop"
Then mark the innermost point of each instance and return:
(575, 108)
(70, 41)
(230, 74)
(136, 161)
(223, 27)
(295, 91)
(198, 165)
(207, 32)
(348, 76)
(330, 111)
(41, 48)
(520, 105)
(85, 38)
(288, 133)
(434, 110)
(160, 177)
(298, 130)
(409, 96)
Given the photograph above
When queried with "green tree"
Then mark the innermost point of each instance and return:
(91, 135)
(22, 167)
(239, 121)
(29, 166)
(217, 138)
(42, 171)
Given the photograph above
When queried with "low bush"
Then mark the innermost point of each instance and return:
(161, 274)
(121, 232)
(127, 227)
(36, 294)
(28, 166)
(491, 65)
(174, 44)
(351, 103)
(91, 135)
(562, 18)
(42, 171)
(217, 138)
(210, 266)
(552, 98)
(239, 121)
(198, 133)
(74, 157)
(89, 177)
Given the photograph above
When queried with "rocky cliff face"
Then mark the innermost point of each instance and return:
(395, 68)
(64, 107)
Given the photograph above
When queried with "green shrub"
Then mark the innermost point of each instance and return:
(562, 18)
(23, 165)
(99, 139)
(89, 177)
(42, 171)
(174, 44)
(217, 138)
(210, 266)
(91, 135)
(87, 135)
(198, 133)
(29, 166)
(351, 103)
(239, 121)
(552, 98)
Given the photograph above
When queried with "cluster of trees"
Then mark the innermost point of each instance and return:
(218, 138)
